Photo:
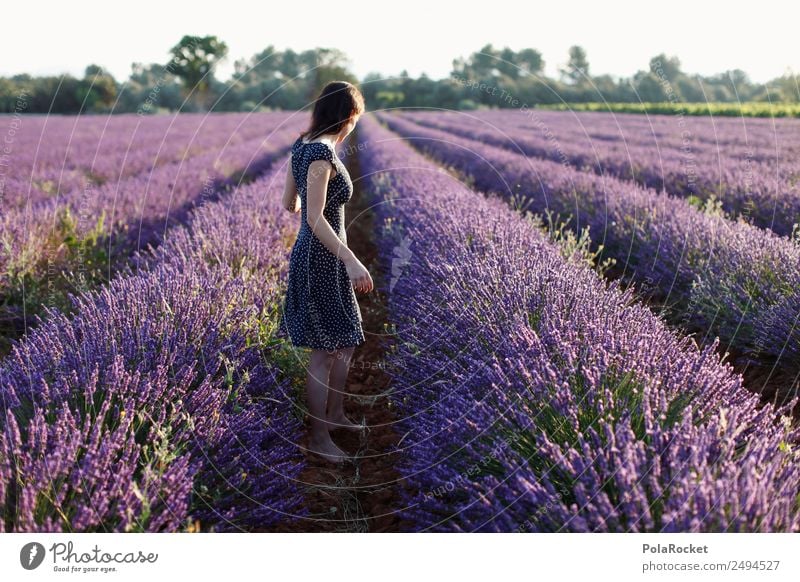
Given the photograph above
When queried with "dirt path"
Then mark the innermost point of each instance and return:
(361, 496)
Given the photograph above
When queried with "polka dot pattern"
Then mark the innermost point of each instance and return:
(320, 309)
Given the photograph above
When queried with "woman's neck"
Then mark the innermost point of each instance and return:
(325, 137)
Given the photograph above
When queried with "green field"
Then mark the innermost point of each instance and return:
(748, 109)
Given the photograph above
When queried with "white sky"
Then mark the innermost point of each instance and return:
(620, 36)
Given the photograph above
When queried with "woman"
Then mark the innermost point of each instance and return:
(320, 309)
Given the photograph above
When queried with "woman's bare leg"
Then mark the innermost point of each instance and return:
(338, 377)
(320, 442)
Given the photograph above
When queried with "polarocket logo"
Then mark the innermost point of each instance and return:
(31, 555)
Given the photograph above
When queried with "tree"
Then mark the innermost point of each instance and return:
(482, 64)
(150, 88)
(740, 84)
(648, 87)
(530, 60)
(577, 70)
(490, 64)
(689, 89)
(98, 89)
(784, 88)
(290, 64)
(323, 65)
(193, 61)
(668, 68)
(506, 63)
(262, 65)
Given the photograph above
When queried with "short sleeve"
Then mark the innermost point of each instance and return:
(320, 151)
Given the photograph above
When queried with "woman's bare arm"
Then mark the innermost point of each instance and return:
(291, 201)
(319, 172)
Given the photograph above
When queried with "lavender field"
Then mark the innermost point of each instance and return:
(154, 402)
(709, 273)
(534, 396)
(583, 322)
(114, 186)
(751, 165)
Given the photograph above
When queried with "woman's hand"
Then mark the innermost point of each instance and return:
(359, 276)
(319, 172)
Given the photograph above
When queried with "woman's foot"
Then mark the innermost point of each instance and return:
(326, 449)
(341, 421)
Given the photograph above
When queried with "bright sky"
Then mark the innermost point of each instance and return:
(619, 36)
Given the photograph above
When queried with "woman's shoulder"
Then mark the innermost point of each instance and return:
(313, 145)
(320, 150)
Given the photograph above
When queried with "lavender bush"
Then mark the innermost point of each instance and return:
(711, 274)
(76, 240)
(54, 156)
(160, 402)
(534, 396)
(751, 167)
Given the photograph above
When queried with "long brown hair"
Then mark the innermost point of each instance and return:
(336, 104)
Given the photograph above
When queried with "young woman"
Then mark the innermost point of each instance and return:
(320, 309)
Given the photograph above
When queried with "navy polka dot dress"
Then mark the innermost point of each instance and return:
(320, 310)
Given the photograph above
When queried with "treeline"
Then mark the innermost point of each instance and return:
(271, 79)
(504, 78)
(274, 79)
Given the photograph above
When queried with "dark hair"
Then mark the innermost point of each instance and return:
(336, 104)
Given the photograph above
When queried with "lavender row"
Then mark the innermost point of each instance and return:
(772, 141)
(149, 196)
(131, 213)
(50, 156)
(713, 275)
(159, 404)
(764, 192)
(535, 397)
